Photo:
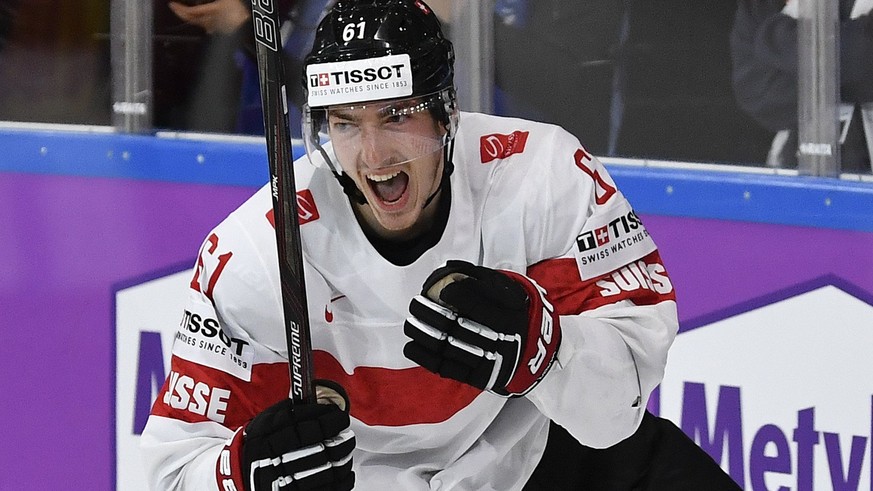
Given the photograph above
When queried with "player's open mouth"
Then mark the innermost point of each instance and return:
(389, 188)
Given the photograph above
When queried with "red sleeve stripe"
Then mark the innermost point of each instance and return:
(196, 393)
(643, 282)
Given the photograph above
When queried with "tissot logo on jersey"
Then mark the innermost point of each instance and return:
(613, 238)
(499, 146)
(210, 329)
(620, 228)
(201, 339)
(344, 82)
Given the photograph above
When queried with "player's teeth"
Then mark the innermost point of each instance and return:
(383, 178)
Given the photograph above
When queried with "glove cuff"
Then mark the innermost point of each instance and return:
(228, 468)
(544, 338)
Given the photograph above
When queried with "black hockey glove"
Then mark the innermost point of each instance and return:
(293, 447)
(491, 329)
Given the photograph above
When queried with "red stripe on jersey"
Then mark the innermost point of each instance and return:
(197, 393)
(387, 397)
(643, 282)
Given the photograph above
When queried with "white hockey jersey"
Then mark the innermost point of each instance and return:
(525, 197)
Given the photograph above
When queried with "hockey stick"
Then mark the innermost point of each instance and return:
(271, 74)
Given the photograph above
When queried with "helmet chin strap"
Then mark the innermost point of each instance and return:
(352, 191)
(448, 168)
(346, 182)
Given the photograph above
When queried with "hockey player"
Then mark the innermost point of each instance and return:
(471, 279)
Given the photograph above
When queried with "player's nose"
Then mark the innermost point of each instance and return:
(373, 151)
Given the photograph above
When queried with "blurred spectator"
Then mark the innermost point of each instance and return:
(192, 72)
(764, 51)
(229, 70)
(632, 78)
(570, 82)
(216, 16)
(7, 18)
(675, 83)
(55, 68)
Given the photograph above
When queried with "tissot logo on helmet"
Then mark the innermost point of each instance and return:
(385, 77)
(370, 30)
(370, 74)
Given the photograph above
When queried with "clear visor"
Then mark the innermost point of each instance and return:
(380, 134)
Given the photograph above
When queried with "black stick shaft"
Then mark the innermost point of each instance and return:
(275, 104)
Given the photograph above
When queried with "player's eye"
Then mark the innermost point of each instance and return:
(341, 126)
(397, 118)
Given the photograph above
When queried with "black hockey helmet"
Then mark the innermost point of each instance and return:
(362, 29)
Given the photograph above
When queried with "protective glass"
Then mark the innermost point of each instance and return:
(380, 134)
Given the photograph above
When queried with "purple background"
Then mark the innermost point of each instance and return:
(717, 264)
(68, 241)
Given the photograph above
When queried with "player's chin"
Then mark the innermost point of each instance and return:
(399, 220)
(397, 229)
